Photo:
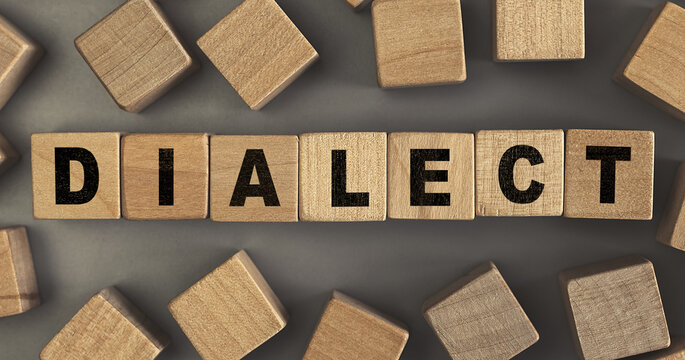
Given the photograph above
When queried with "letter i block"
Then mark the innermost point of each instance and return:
(343, 176)
(609, 174)
(18, 55)
(672, 227)
(430, 176)
(18, 286)
(76, 175)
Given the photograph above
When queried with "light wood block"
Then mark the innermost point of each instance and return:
(530, 30)
(107, 327)
(478, 317)
(654, 67)
(674, 352)
(165, 176)
(230, 312)
(258, 58)
(622, 188)
(254, 178)
(671, 230)
(343, 176)
(431, 176)
(520, 173)
(358, 5)
(136, 54)
(18, 56)
(8, 155)
(614, 308)
(349, 329)
(87, 166)
(18, 286)
(418, 42)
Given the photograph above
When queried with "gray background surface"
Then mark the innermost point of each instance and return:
(393, 265)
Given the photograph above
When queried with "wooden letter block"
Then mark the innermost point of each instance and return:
(165, 176)
(136, 54)
(672, 227)
(230, 312)
(520, 173)
(358, 5)
(430, 176)
(478, 317)
(674, 352)
(349, 329)
(18, 56)
(418, 42)
(8, 156)
(529, 30)
(343, 176)
(76, 175)
(258, 50)
(609, 174)
(107, 327)
(18, 286)
(655, 64)
(614, 308)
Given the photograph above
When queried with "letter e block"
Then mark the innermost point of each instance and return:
(672, 227)
(18, 286)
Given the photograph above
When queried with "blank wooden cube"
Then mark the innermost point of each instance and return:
(107, 327)
(343, 176)
(254, 178)
(431, 176)
(674, 352)
(615, 309)
(609, 174)
(520, 173)
(529, 30)
(654, 67)
(18, 56)
(8, 156)
(418, 42)
(672, 227)
(230, 312)
(349, 329)
(478, 317)
(76, 175)
(258, 50)
(18, 286)
(165, 176)
(136, 54)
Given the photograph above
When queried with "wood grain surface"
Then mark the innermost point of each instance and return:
(18, 56)
(18, 285)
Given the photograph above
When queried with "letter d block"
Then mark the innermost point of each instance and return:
(76, 175)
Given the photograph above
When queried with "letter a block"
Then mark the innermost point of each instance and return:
(343, 176)
(18, 286)
(76, 175)
(672, 227)
(18, 55)
(609, 174)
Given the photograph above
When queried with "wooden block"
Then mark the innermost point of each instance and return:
(8, 156)
(614, 308)
(655, 64)
(165, 176)
(520, 172)
(671, 230)
(349, 329)
(76, 175)
(258, 58)
(430, 176)
(18, 286)
(674, 352)
(18, 56)
(358, 5)
(343, 176)
(478, 317)
(529, 30)
(107, 327)
(254, 178)
(230, 312)
(609, 174)
(136, 54)
(418, 42)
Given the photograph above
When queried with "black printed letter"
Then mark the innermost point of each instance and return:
(419, 176)
(506, 174)
(91, 176)
(339, 196)
(608, 155)
(254, 160)
(166, 177)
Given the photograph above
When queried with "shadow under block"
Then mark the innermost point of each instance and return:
(530, 30)
(165, 176)
(654, 67)
(609, 174)
(431, 176)
(478, 317)
(349, 329)
(136, 54)
(253, 178)
(18, 56)
(18, 286)
(76, 175)
(671, 230)
(258, 50)
(229, 312)
(418, 42)
(674, 352)
(8, 155)
(520, 173)
(107, 327)
(343, 176)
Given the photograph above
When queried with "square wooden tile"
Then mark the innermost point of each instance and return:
(618, 187)
(8, 155)
(674, 352)
(229, 312)
(431, 176)
(672, 227)
(18, 56)
(18, 286)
